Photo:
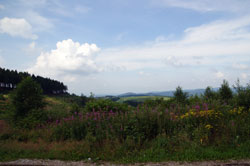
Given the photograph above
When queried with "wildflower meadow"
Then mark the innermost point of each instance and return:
(186, 128)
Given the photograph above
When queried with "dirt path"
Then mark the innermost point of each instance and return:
(27, 162)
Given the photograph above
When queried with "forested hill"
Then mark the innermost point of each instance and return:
(10, 78)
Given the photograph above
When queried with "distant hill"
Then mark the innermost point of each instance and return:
(130, 94)
(165, 93)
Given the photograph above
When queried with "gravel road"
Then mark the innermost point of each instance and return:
(27, 162)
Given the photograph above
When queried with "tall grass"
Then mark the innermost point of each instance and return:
(158, 130)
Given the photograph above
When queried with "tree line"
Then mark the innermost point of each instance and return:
(10, 78)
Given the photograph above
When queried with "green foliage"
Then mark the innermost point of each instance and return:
(84, 100)
(209, 94)
(75, 130)
(152, 103)
(105, 105)
(75, 108)
(27, 96)
(141, 126)
(180, 96)
(27, 101)
(158, 130)
(194, 99)
(57, 109)
(133, 103)
(225, 92)
(2, 97)
(33, 119)
(243, 96)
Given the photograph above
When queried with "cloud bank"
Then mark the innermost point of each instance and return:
(17, 27)
(210, 44)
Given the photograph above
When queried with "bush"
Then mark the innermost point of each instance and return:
(153, 103)
(243, 96)
(180, 96)
(28, 102)
(225, 92)
(26, 97)
(33, 119)
(75, 108)
(209, 94)
(105, 105)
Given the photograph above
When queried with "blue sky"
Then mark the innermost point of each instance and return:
(117, 46)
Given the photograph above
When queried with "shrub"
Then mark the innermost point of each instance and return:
(75, 108)
(209, 94)
(133, 103)
(180, 96)
(105, 105)
(27, 97)
(152, 103)
(194, 99)
(243, 96)
(33, 119)
(225, 92)
(27, 101)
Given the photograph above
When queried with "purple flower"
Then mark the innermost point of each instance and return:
(197, 107)
(111, 113)
(205, 106)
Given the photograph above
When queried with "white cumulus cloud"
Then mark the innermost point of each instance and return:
(17, 27)
(67, 59)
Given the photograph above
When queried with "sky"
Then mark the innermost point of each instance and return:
(119, 46)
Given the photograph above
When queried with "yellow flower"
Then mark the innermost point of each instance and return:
(208, 126)
(240, 110)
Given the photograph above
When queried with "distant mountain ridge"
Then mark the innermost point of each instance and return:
(165, 93)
